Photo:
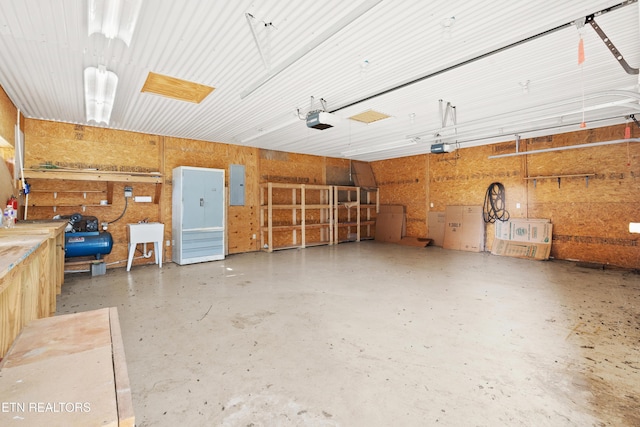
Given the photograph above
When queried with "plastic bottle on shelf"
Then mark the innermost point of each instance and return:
(8, 220)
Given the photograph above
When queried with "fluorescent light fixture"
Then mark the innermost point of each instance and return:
(378, 148)
(99, 93)
(338, 26)
(274, 128)
(113, 18)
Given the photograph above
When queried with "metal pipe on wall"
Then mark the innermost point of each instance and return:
(567, 147)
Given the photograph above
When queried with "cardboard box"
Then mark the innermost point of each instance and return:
(534, 231)
(419, 242)
(363, 174)
(502, 230)
(523, 238)
(464, 228)
(524, 230)
(538, 251)
(390, 223)
(435, 222)
(473, 227)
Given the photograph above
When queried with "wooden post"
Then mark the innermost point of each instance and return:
(303, 212)
(270, 215)
(358, 214)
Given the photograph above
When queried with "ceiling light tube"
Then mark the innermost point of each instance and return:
(262, 132)
(99, 93)
(356, 13)
(113, 18)
(378, 148)
(250, 19)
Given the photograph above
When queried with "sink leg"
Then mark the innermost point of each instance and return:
(132, 250)
(156, 247)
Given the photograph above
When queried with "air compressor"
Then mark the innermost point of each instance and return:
(83, 238)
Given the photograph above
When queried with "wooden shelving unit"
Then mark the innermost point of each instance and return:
(291, 213)
(332, 213)
(91, 201)
(346, 213)
(368, 206)
(354, 209)
(89, 197)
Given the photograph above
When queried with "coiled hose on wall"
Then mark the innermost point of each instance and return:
(494, 204)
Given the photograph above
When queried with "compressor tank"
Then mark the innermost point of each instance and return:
(86, 243)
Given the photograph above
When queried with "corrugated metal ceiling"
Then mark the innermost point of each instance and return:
(45, 47)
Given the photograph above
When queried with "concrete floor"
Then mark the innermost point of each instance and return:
(369, 334)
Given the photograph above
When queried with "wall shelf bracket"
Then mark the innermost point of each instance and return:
(558, 178)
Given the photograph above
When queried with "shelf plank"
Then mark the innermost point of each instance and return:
(91, 175)
(286, 227)
(68, 191)
(296, 186)
(281, 207)
(580, 175)
(68, 206)
(279, 248)
(297, 226)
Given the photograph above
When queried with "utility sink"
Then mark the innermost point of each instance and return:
(146, 232)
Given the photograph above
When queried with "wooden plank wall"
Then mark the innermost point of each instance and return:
(590, 222)
(70, 145)
(462, 178)
(404, 181)
(242, 221)
(290, 168)
(76, 146)
(8, 120)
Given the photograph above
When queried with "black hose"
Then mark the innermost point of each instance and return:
(126, 203)
(494, 204)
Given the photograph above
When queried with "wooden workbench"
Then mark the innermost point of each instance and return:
(67, 370)
(54, 230)
(31, 275)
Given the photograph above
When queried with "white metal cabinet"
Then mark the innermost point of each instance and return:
(198, 207)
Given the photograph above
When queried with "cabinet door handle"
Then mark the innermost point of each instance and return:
(201, 201)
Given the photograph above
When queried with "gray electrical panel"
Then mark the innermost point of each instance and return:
(236, 185)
